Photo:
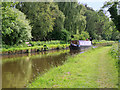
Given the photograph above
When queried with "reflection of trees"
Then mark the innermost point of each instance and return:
(40, 65)
(16, 74)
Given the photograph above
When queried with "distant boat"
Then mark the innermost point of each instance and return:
(79, 44)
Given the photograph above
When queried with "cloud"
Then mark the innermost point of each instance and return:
(95, 4)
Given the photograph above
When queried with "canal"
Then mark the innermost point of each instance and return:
(20, 69)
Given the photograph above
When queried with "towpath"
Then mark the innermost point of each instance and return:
(92, 69)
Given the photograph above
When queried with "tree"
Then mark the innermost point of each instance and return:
(98, 25)
(115, 33)
(74, 16)
(41, 15)
(58, 23)
(92, 19)
(15, 27)
(65, 35)
(112, 8)
(104, 26)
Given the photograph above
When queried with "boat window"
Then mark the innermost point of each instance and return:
(75, 42)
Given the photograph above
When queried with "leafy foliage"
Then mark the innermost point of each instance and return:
(83, 36)
(65, 35)
(98, 25)
(15, 27)
(92, 19)
(114, 51)
(56, 21)
(59, 24)
(74, 16)
(112, 8)
(41, 15)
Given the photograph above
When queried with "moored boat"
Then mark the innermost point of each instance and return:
(79, 44)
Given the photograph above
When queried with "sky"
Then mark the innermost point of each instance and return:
(95, 4)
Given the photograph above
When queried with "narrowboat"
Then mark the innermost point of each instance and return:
(79, 44)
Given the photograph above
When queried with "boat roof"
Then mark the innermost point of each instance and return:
(78, 40)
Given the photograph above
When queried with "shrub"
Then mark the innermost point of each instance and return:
(62, 42)
(15, 27)
(65, 35)
(84, 35)
(76, 37)
(114, 53)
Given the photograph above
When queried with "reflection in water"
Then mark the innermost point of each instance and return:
(19, 72)
(82, 50)
(15, 74)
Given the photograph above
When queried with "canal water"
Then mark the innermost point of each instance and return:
(20, 69)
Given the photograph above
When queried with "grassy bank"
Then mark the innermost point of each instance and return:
(92, 69)
(102, 42)
(33, 46)
(114, 51)
(36, 46)
(14, 50)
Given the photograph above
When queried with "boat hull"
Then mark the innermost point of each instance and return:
(78, 47)
(74, 47)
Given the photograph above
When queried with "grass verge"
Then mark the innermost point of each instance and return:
(92, 69)
(49, 47)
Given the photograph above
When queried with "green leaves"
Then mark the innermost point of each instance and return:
(83, 36)
(98, 25)
(74, 16)
(112, 8)
(41, 17)
(15, 27)
(55, 21)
